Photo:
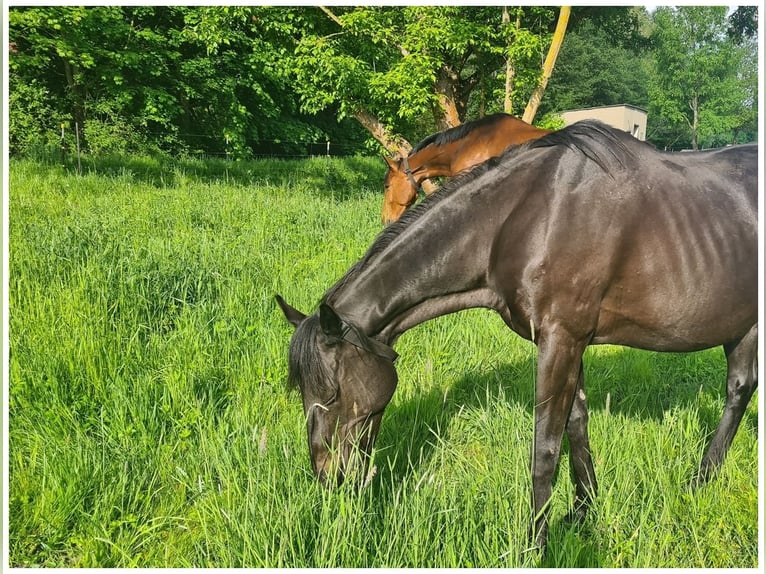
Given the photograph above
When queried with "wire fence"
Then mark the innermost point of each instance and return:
(71, 143)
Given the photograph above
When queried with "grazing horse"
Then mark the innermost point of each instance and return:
(583, 237)
(448, 153)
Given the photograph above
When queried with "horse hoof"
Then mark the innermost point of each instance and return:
(576, 515)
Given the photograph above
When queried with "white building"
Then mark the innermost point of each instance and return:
(623, 117)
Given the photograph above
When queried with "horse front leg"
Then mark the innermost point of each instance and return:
(558, 372)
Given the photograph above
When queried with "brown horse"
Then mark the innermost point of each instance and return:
(447, 153)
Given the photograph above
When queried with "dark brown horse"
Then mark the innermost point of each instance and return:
(448, 153)
(586, 236)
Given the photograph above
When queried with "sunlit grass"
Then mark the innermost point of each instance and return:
(150, 425)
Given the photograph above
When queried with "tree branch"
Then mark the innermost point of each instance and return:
(330, 15)
(550, 61)
(395, 145)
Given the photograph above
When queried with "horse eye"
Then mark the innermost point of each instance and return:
(331, 400)
(322, 406)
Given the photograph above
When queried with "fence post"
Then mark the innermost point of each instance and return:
(77, 138)
(63, 144)
(328, 148)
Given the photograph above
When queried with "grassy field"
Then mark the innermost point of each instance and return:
(150, 425)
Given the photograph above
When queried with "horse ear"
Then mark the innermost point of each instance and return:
(292, 315)
(390, 162)
(331, 323)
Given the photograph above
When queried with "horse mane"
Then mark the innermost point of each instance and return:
(387, 236)
(458, 132)
(305, 368)
(594, 139)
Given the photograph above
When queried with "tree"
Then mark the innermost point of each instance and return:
(197, 79)
(597, 68)
(102, 65)
(743, 23)
(244, 79)
(701, 87)
(415, 69)
(63, 43)
(247, 53)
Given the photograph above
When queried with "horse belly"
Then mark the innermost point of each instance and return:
(686, 286)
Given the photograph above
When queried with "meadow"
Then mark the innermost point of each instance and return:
(150, 424)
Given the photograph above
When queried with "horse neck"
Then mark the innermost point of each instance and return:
(480, 144)
(432, 161)
(426, 270)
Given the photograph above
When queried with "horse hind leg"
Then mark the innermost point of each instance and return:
(742, 380)
(581, 460)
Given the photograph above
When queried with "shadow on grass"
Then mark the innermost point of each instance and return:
(337, 177)
(659, 384)
(638, 384)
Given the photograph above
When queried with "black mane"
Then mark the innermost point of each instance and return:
(594, 139)
(305, 367)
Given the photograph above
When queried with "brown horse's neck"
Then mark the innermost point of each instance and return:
(432, 161)
(450, 158)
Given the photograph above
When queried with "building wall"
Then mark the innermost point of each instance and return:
(626, 118)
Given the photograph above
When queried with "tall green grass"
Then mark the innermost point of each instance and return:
(150, 425)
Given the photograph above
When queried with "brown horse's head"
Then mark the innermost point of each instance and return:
(400, 191)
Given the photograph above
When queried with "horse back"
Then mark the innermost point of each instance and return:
(646, 249)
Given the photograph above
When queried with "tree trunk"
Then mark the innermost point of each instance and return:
(78, 100)
(395, 145)
(510, 67)
(550, 61)
(695, 121)
(445, 91)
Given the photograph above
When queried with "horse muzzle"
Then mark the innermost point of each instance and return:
(350, 459)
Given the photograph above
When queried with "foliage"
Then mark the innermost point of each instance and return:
(743, 23)
(624, 24)
(158, 74)
(30, 120)
(593, 71)
(698, 89)
(419, 66)
(242, 80)
(149, 425)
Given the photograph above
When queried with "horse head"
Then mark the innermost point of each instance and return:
(346, 379)
(401, 189)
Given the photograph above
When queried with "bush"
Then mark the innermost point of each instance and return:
(112, 135)
(32, 125)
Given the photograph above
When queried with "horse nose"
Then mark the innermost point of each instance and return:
(391, 212)
(389, 216)
(328, 472)
(330, 480)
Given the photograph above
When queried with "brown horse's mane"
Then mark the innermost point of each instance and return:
(458, 132)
